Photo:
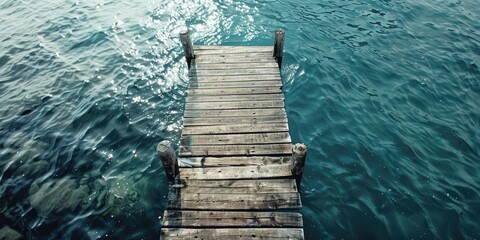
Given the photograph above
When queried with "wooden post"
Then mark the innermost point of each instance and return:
(278, 46)
(169, 160)
(299, 154)
(187, 46)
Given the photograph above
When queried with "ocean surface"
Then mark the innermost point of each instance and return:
(385, 94)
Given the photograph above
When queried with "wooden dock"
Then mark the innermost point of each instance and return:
(236, 176)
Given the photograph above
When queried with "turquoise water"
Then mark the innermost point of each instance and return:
(385, 93)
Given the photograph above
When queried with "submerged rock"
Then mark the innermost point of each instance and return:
(57, 196)
(33, 169)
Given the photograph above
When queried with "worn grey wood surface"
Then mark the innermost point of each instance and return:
(280, 118)
(236, 128)
(234, 98)
(232, 233)
(254, 201)
(237, 84)
(175, 218)
(197, 162)
(234, 172)
(229, 139)
(233, 113)
(230, 186)
(226, 78)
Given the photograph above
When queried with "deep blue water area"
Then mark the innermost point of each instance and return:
(385, 94)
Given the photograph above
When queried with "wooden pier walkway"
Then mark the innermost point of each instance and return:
(236, 175)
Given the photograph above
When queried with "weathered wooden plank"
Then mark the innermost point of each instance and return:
(234, 98)
(200, 65)
(238, 120)
(233, 51)
(226, 47)
(236, 128)
(267, 77)
(243, 172)
(234, 91)
(234, 72)
(234, 186)
(233, 113)
(231, 161)
(266, 201)
(278, 201)
(235, 150)
(235, 105)
(235, 60)
(239, 84)
(175, 218)
(242, 59)
(227, 139)
(233, 55)
(232, 233)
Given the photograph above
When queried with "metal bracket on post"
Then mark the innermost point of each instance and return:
(278, 46)
(299, 154)
(187, 46)
(169, 160)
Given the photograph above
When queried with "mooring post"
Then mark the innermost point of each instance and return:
(299, 154)
(187, 46)
(278, 46)
(169, 160)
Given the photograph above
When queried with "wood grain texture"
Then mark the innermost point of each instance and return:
(235, 150)
(200, 162)
(234, 186)
(232, 233)
(247, 172)
(256, 201)
(235, 139)
(239, 120)
(232, 72)
(236, 128)
(235, 55)
(234, 91)
(226, 78)
(251, 65)
(238, 84)
(225, 47)
(233, 113)
(234, 98)
(236, 105)
(175, 218)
